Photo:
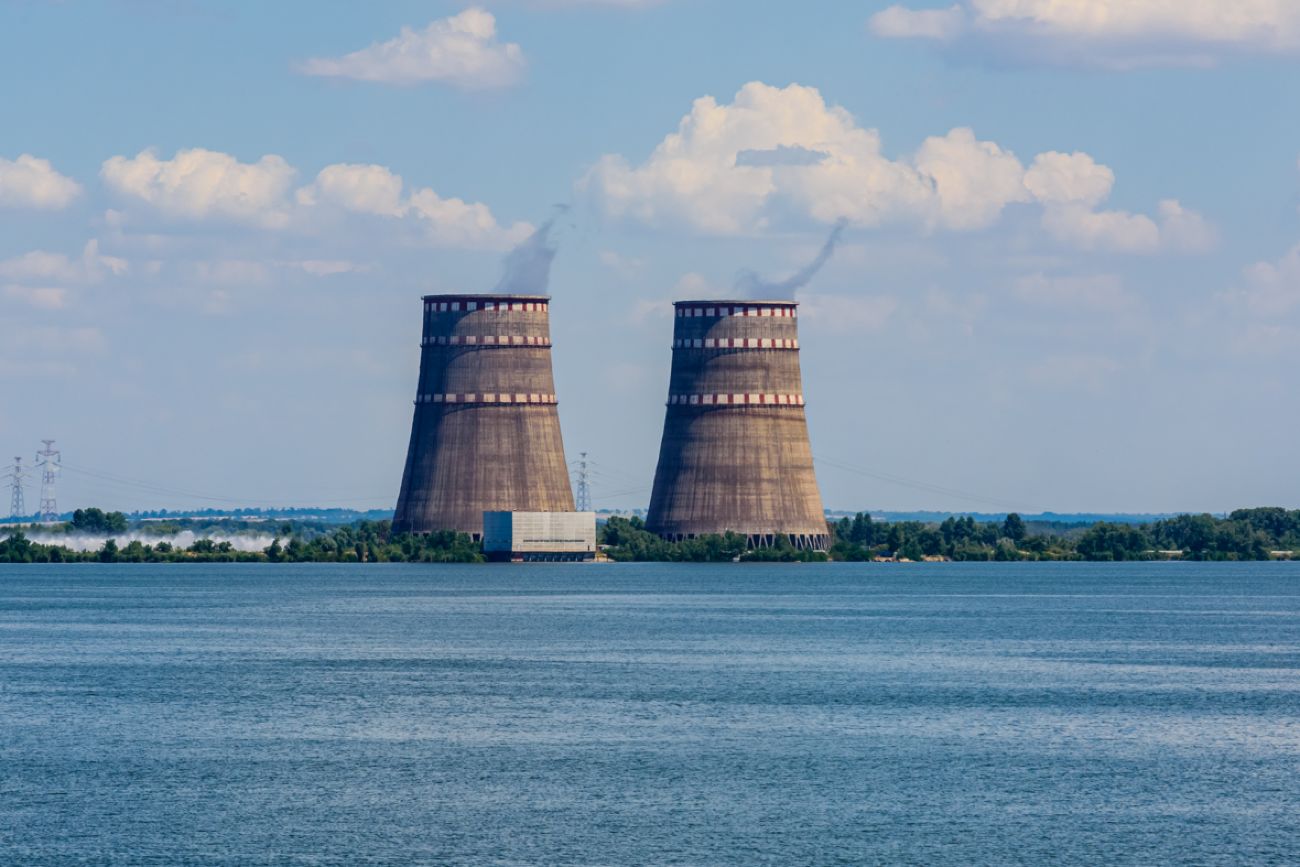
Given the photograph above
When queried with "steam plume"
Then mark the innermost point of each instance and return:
(751, 285)
(526, 269)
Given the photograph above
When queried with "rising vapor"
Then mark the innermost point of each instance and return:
(751, 285)
(526, 270)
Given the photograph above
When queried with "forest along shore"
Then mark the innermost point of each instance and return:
(96, 536)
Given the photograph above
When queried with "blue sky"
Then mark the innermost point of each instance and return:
(1070, 280)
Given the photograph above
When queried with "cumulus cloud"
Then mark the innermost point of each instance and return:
(462, 50)
(199, 184)
(457, 223)
(1057, 178)
(1112, 33)
(1175, 228)
(30, 182)
(1271, 288)
(364, 189)
(706, 177)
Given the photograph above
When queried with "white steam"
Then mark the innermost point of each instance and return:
(526, 270)
(751, 285)
(181, 540)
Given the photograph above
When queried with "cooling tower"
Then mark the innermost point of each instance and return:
(486, 435)
(735, 453)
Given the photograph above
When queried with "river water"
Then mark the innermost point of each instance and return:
(650, 714)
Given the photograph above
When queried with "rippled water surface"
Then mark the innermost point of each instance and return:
(550, 714)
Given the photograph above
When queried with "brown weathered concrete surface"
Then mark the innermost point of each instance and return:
(486, 432)
(735, 454)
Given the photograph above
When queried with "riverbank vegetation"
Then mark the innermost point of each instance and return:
(108, 537)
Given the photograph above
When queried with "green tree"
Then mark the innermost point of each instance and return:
(108, 553)
(1013, 528)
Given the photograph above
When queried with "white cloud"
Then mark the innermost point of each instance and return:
(457, 223)
(1272, 288)
(364, 189)
(1111, 33)
(1061, 178)
(1105, 230)
(30, 182)
(461, 50)
(1177, 229)
(972, 180)
(1183, 229)
(375, 190)
(899, 22)
(201, 184)
(698, 177)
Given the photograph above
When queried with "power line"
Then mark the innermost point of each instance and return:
(616, 494)
(915, 484)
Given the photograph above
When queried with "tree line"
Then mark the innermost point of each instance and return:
(1246, 534)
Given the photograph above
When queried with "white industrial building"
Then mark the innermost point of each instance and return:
(539, 536)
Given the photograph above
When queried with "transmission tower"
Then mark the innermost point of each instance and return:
(583, 496)
(17, 476)
(50, 461)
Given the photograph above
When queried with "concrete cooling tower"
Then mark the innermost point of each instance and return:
(735, 453)
(486, 435)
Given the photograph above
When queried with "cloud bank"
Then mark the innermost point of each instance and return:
(1117, 34)
(775, 154)
(201, 185)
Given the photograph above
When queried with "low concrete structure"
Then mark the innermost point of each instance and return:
(539, 536)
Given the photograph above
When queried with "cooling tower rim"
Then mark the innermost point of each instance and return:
(485, 296)
(738, 302)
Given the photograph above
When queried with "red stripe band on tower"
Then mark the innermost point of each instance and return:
(762, 399)
(494, 306)
(491, 398)
(735, 343)
(781, 311)
(487, 340)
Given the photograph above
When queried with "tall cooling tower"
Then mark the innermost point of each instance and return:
(735, 453)
(486, 435)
